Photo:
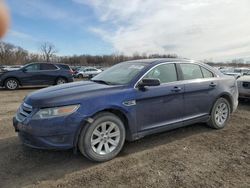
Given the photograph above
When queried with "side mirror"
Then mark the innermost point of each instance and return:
(24, 70)
(148, 82)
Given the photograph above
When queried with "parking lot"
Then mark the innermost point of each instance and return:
(194, 156)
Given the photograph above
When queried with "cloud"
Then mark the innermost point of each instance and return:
(21, 35)
(191, 28)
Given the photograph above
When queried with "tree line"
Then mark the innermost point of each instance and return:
(15, 55)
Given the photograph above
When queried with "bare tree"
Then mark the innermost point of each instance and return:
(48, 51)
(11, 54)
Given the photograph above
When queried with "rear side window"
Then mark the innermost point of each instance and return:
(47, 66)
(165, 73)
(207, 73)
(66, 67)
(191, 71)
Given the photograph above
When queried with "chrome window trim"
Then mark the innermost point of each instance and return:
(57, 68)
(174, 62)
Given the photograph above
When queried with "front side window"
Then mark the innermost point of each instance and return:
(191, 71)
(165, 73)
(32, 67)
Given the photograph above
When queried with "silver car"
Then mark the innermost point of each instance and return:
(244, 85)
(88, 72)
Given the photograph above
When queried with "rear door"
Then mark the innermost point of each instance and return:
(159, 106)
(200, 90)
(48, 73)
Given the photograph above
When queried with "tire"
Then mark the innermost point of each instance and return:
(11, 84)
(90, 76)
(98, 146)
(220, 114)
(61, 81)
(80, 76)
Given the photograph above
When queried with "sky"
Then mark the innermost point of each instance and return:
(197, 29)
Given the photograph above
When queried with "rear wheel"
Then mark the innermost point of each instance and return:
(61, 81)
(80, 76)
(90, 76)
(11, 84)
(103, 139)
(220, 114)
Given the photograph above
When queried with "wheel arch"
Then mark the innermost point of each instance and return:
(60, 76)
(116, 111)
(226, 96)
(19, 82)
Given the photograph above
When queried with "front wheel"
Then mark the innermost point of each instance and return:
(103, 139)
(220, 114)
(11, 84)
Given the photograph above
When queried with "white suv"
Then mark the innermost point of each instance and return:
(88, 72)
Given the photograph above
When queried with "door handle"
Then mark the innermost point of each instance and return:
(176, 89)
(212, 84)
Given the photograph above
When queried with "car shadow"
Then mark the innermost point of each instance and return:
(21, 165)
(24, 88)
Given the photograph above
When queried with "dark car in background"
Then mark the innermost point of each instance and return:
(125, 102)
(36, 74)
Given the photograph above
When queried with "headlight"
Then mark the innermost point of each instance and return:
(55, 112)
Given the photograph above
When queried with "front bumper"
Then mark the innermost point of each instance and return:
(55, 133)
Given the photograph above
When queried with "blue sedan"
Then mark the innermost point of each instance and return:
(125, 102)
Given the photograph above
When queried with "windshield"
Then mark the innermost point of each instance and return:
(120, 74)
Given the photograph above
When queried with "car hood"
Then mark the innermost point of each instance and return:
(66, 94)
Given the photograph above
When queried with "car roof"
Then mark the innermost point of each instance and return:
(159, 60)
(46, 63)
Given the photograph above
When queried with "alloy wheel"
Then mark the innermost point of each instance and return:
(60, 81)
(105, 138)
(11, 84)
(221, 113)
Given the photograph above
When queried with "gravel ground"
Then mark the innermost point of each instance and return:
(194, 156)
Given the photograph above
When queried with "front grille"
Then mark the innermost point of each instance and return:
(23, 112)
(246, 85)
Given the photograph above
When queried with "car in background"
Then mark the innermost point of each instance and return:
(235, 72)
(36, 74)
(88, 72)
(244, 85)
(66, 67)
(241, 71)
(126, 102)
(235, 75)
(75, 70)
(11, 68)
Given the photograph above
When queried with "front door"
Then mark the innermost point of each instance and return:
(31, 75)
(159, 106)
